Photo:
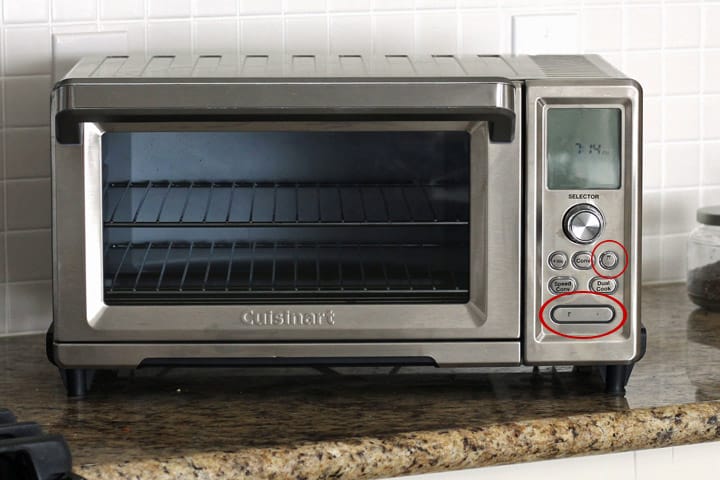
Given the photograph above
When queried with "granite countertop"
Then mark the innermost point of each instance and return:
(374, 423)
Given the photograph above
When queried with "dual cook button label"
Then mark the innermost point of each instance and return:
(558, 285)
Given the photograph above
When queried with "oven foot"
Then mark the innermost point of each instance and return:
(77, 381)
(616, 376)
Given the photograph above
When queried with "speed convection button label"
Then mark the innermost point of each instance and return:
(562, 285)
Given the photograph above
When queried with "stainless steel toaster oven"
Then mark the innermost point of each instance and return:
(281, 210)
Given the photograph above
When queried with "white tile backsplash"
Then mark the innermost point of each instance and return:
(215, 8)
(122, 9)
(682, 26)
(168, 8)
(21, 60)
(26, 11)
(27, 101)
(74, 10)
(711, 17)
(671, 47)
(643, 26)
(28, 204)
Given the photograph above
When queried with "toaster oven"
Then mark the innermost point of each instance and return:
(345, 210)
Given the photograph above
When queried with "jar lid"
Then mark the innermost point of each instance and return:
(709, 215)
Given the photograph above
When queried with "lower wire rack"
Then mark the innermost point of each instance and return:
(275, 272)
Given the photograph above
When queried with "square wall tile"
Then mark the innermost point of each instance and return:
(27, 101)
(652, 119)
(214, 8)
(134, 31)
(2, 211)
(349, 5)
(30, 307)
(428, 4)
(306, 35)
(27, 153)
(28, 204)
(646, 68)
(304, 6)
(682, 72)
(168, 8)
(711, 17)
(709, 196)
(26, 11)
(651, 213)
(27, 51)
(602, 29)
(3, 302)
(711, 117)
(682, 118)
(393, 4)
(652, 166)
(682, 165)
(643, 27)
(394, 34)
(711, 163)
(678, 209)
(673, 266)
(261, 35)
(29, 256)
(650, 259)
(168, 38)
(260, 7)
(711, 65)
(351, 34)
(436, 33)
(682, 26)
(216, 36)
(481, 32)
(74, 10)
(122, 10)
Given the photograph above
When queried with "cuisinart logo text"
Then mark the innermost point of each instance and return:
(287, 318)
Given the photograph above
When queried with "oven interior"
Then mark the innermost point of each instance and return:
(320, 216)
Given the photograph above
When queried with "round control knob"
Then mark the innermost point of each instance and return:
(583, 223)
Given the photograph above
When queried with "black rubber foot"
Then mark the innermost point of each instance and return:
(616, 376)
(77, 381)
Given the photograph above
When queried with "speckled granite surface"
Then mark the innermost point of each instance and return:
(218, 424)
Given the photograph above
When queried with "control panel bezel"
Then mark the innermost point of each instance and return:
(545, 234)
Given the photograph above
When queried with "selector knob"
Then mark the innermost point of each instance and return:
(583, 223)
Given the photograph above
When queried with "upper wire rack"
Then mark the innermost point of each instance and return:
(194, 203)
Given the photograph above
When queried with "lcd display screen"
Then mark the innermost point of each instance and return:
(583, 148)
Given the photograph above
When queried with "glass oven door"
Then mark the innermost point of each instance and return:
(343, 231)
(331, 214)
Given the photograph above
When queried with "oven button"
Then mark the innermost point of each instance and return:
(582, 314)
(558, 260)
(562, 285)
(603, 285)
(608, 260)
(581, 261)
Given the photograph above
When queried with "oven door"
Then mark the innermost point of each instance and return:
(249, 231)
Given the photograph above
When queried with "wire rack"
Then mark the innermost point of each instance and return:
(235, 270)
(168, 203)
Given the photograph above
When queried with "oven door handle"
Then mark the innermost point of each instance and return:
(78, 101)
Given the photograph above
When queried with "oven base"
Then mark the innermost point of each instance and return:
(78, 363)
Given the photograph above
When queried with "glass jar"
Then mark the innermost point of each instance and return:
(703, 279)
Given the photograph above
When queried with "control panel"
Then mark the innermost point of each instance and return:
(583, 227)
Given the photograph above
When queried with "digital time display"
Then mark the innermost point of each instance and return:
(583, 148)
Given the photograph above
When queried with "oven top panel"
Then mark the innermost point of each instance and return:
(195, 68)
